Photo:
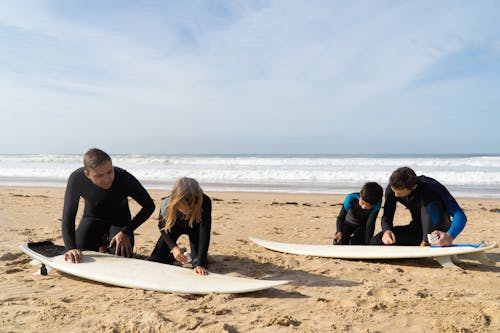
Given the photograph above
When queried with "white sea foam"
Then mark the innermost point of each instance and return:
(466, 175)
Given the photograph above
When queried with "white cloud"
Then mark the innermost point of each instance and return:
(282, 69)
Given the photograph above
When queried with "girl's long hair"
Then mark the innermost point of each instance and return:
(186, 193)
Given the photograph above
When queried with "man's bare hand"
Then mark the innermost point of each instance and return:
(445, 238)
(388, 237)
(337, 238)
(123, 244)
(74, 256)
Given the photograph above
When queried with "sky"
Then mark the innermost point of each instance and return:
(267, 77)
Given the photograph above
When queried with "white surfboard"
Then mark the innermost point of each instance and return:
(148, 275)
(446, 256)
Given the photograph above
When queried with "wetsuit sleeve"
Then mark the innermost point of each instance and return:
(139, 194)
(458, 224)
(370, 223)
(458, 216)
(345, 208)
(389, 209)
(71, 200)
(171, 244)
(205, 230)
(341, 218)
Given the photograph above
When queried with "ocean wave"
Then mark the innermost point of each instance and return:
(269, 171)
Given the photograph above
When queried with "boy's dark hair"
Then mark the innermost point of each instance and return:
(94, 157)
(403, 178)
(372, 193)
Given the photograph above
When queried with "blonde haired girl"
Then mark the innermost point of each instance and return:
(187, 211)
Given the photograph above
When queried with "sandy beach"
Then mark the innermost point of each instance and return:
(324, 295)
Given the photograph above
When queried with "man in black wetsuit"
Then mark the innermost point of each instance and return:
(433, 211)
(106, 215)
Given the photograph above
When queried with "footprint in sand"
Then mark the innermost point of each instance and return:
(9, 256)
(381, 294)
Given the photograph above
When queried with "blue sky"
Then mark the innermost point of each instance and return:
(250, 76)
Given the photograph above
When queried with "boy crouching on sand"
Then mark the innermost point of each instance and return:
(356, 220)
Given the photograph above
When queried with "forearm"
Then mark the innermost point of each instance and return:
(340, 223)
(387, 223)
(388, 217)
(204, 236)
(140, 218)
(137, 192)
(458, 224)
(70, 208)
(389, 209)
(341, 219)
(166, 237)
(68, 234)
(203, 253)
(370, 227)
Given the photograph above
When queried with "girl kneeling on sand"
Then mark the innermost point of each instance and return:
(187, 211)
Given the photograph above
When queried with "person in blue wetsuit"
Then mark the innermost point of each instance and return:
(356, 220)
(106, 216)
(186, 211)
(433, 211)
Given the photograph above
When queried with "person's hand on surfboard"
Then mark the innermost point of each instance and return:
(179, 255)
(73, 255)
(444, 239)
(337, 238)
(388, 237)
(200, 270)
(123, 245)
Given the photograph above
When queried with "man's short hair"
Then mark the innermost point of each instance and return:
(403, 178)
(372, 193)
(95, 157)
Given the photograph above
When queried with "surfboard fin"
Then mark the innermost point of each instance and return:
(44, 270)
(447, 261)
(482, 258)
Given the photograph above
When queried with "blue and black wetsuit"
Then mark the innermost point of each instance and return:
(355, 223)
(430, 205)
(106, 212)
(199, 236)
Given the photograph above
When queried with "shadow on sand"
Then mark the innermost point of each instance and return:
(225, 264)
(468, 265)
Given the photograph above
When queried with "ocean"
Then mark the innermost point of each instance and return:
(463, 175)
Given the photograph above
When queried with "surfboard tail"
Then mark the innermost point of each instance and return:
(47, 248)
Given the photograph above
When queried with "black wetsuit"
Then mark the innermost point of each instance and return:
(106, 212)
(199, 236)
(430, 205)
(355, 223)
